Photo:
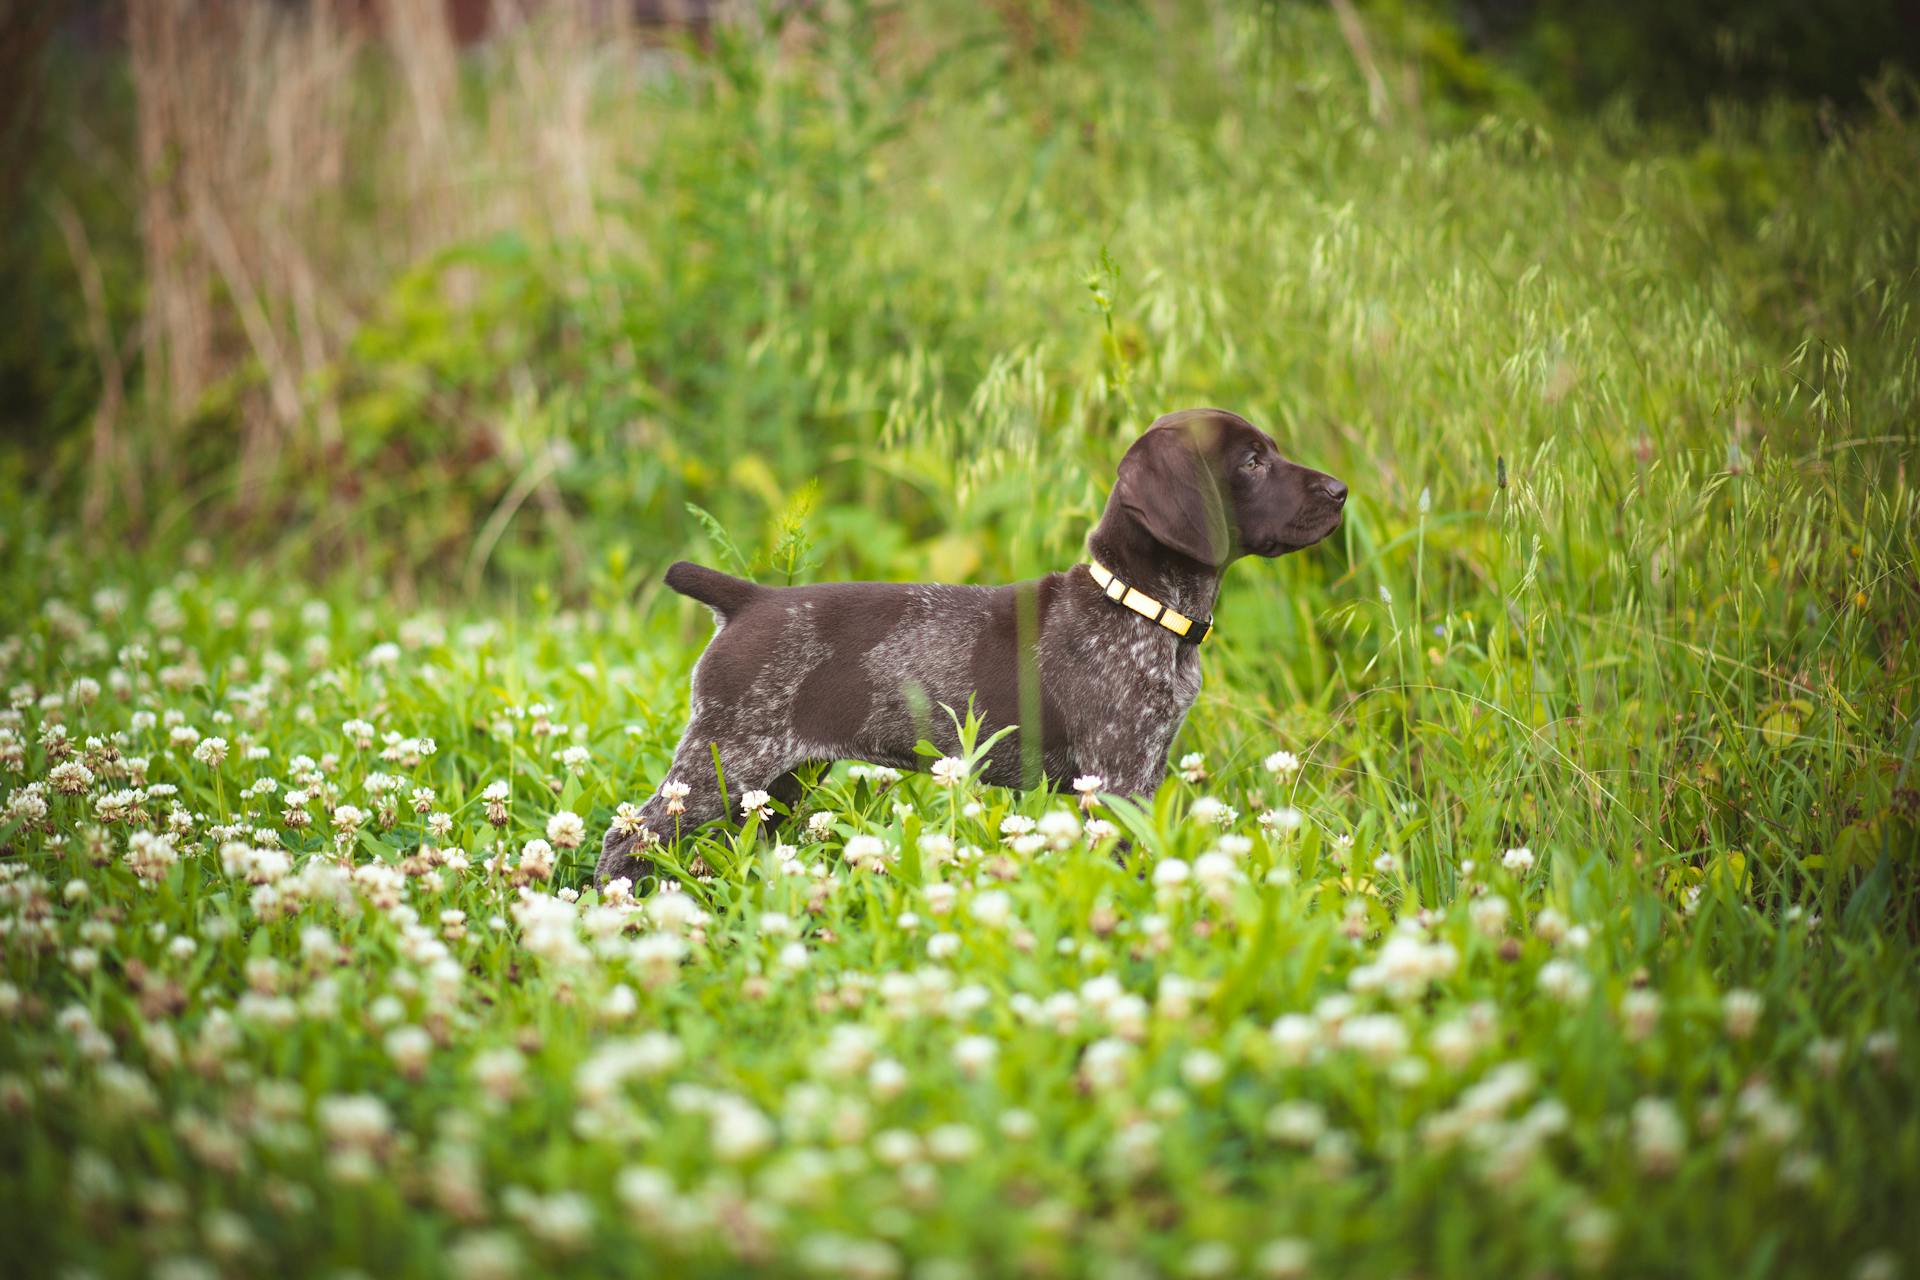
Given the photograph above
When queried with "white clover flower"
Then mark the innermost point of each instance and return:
(1058, 828)
(1107, 1063)
(1564, 981)
(1282, 765)
(1659, 1136)
(949, 771)
(973, 1055)
(1202, 1068)
(1171, 874)
(1740, 1012)
(1295, 1036)
(356, 1121)
(409, 1047)
(1209, 810)
(1193, 767)
(1379, 1037)
(1089, 784)
(1519, 861)
(1489, 915)
(1639, 1013)
(485, 1255)
(1284, 1258)
(820, 825)
(566, 830)
(1216, 873)
(887, 1078)
(756, 804)
(1281, 821)
(992, 907)
(71, 777)
(940, 896)
(953, 1143)
(867, 853)
(1550, 925)
(211, 752)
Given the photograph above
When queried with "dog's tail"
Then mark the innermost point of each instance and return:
(721, 592)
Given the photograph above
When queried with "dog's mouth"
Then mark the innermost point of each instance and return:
(1298, 537)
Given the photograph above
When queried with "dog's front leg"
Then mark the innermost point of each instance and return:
(1130, 771)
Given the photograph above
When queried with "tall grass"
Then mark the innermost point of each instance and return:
(430, 337)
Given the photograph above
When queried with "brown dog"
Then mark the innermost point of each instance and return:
(1099, 664)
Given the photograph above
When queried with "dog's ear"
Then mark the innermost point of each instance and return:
(1165, 483)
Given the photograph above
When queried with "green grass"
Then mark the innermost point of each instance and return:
(1628, 581)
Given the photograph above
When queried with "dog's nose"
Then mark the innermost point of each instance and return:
(1334, 490)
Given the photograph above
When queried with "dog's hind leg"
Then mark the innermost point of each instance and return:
(690, 796)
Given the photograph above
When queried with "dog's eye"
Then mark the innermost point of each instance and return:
(1254, 463)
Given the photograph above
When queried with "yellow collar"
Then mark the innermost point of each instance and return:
(1193, 632)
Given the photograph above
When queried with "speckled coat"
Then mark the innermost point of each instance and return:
(865, 670)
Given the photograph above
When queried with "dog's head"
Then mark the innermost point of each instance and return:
(1213, 487)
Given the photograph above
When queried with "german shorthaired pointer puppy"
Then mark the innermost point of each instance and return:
(1102, 660)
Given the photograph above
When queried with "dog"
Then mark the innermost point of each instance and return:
(1097, 665)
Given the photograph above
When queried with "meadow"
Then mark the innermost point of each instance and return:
(1533, 890)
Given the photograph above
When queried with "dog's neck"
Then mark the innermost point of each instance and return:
(1132, 554)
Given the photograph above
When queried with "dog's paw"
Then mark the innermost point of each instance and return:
(620, 856)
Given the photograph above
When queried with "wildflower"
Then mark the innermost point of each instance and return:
(1282, 821)
(949, 771)
(974, 1054)
(867, 853)
(151, 855)
(1489, 915)
(347, 819)
(356, 1121)
(495, 796)
(1107, 1063)
(1285, 1258)
(820, 825)
(1519, 861)
(1202, 1068)
(1171, 874)
(887, 1078)
(409, 1047)
(566, 830)
(1640, 1012)
(756, 804)
(70, 777)
(992, 908)
(1884, 1048)
(675, 794)
(485, 1255)
(1193, 767)
(1564, 981)
(1059, 828)
(1282, 765)
(738, 1131)
(1089, 787)
(575, 759)
(1295, 1036)
(1379, 1037)
(1740, 1012)
(1659, 1137)
(1550, 925)
(500, 1073)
